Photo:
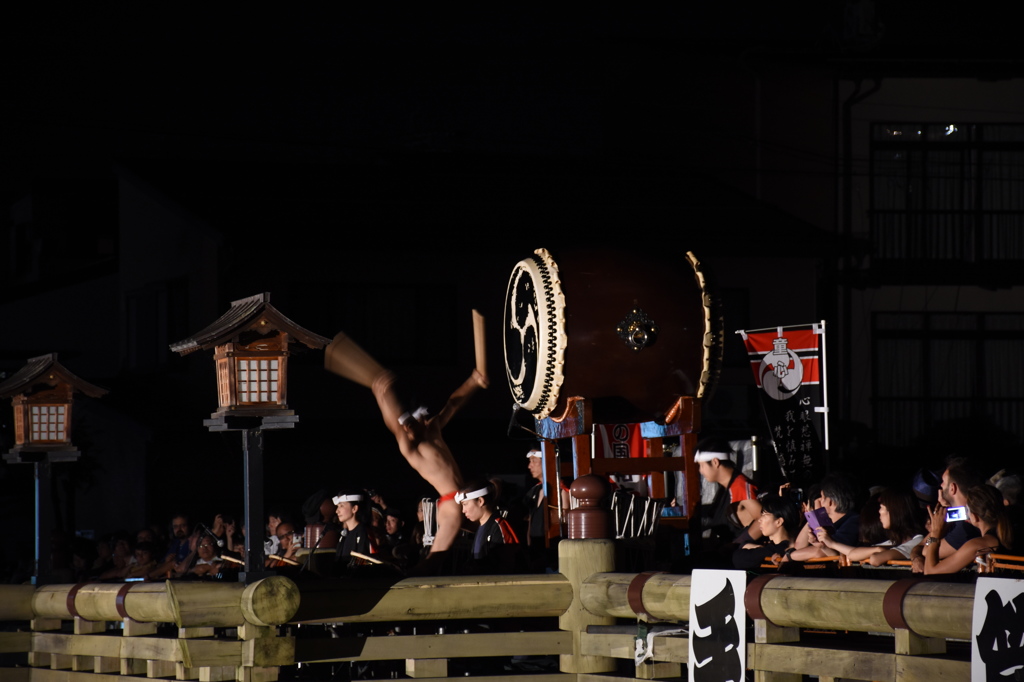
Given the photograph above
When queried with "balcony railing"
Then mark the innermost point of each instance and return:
(972, 237)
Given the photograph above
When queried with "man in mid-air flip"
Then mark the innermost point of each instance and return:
(419, 437)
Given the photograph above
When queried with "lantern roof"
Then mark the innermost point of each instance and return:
(254, 313)
(45, 369)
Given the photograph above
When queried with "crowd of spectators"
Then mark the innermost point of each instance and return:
(330, 533)
(938, 522)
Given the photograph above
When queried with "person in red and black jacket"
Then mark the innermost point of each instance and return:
(494, 534)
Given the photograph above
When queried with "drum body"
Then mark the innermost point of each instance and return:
(630, 333)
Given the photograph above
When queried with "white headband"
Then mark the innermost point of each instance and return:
(462, 497)
(417, 414)
(347, 498)
(707, 456)
(534, 453)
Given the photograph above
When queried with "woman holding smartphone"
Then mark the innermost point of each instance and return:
(986, 512)
(897, 512)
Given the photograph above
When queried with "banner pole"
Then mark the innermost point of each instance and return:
(824, 387)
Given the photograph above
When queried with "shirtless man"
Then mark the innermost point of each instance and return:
(423, 446)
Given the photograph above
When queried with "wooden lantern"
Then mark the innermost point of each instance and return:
(252, 342)
(41, 393)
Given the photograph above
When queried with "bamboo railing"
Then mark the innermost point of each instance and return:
(230, 631)
(116, 630)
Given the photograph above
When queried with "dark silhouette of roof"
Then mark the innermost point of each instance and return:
(45, 369)
(246, 314)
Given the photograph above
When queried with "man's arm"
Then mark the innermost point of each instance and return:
(475, 382)
(808, 552)
(391, 410)
(804, 537)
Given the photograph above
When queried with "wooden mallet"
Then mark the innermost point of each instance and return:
(480, 343)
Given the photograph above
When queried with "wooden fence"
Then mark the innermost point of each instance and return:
(218, 631)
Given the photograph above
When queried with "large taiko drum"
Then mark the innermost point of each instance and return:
(629, 333)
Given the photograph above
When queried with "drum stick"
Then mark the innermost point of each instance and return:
(366, 557)
(480, 343)
(345, 358)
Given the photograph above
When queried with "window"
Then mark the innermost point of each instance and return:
(257, 380)
(947, 192)
(47, 423)
(936, 367)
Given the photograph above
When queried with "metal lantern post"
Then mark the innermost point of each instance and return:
(42, 393)
(252, 343)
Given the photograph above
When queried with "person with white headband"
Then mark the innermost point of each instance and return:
(478, 505)
(350, 505)
(713, 458)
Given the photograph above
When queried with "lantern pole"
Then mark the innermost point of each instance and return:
(252, 453)
(252, 429)
(41, 394)
(44, 521)
(252, 343)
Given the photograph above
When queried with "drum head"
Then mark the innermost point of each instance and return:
(629, 333)
(534, 333)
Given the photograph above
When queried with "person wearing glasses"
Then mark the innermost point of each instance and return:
(207, 562)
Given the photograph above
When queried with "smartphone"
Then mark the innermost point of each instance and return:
(956, 514)
(818, 518)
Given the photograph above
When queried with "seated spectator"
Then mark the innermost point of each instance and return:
(270, 546)
(779, 523)
(477, 500)
(83, 554)
(104, 560)
(289, 542)
(353, 514)
(178, 549)
(234, 539)
(897, 512)
(320, 514)
(376, 527)
(207, 562)
(122, 556)
(959, 477)
(838, 499)
(986, 512)
(394, 528)
(926, 486)
(145, 561)
(1008, 485)
(871, 532)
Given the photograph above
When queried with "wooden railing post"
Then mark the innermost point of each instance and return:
(577, 561)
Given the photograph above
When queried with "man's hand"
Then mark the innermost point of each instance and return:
(917, 564)
(481, 380)
(824, 538)
(938, 519)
